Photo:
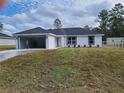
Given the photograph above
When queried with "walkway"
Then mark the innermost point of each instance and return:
(4, 55)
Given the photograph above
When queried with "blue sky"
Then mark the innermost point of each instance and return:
(19, 15)
(13, 8)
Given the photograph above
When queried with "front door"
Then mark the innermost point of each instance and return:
(58, 42)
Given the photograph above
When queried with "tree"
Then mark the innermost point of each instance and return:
(96, 29)
(116, 20)
(111, 23)
(87, 27)
(57, 23)
(103, 18)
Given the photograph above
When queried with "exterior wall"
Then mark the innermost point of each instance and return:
(22, 44)
(17, 43)
(7, 41)
(98, 41)
(63, 41)
(82, 40)
(51, 42)
(58, 42)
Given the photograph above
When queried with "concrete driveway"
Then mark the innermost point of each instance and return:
(4, 55)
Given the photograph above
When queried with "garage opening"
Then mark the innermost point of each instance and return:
(33, 42)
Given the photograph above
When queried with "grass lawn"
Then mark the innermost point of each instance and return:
(65, 71)
(2, 48)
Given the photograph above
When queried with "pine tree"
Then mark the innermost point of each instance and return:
(57, 23)
(116, 20)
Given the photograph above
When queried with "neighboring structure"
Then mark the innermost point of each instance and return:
(58, 38)
(115, 41)
(6, 39)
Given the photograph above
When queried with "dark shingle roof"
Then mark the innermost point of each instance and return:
(62, 31)
(4, 35)
(72, 31)
(34, 31)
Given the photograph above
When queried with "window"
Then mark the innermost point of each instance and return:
(91, 40)
(71, 41)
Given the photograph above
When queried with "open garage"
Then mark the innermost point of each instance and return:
(32, 42)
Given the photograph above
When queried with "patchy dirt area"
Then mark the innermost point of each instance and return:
(65, 71)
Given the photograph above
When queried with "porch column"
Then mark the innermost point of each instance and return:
(47, 42)
(19, 44)
(16, 40)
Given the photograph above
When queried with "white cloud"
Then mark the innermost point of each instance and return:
(72, 13)
(9, 28)
(113, 2)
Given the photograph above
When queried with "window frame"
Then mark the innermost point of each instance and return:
(91, 41)
(71, 40)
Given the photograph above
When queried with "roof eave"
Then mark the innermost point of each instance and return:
(16, 35)
(84, 35)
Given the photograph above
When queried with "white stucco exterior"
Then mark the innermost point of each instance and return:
(98, 41)
(82, 40)
(51, 41)
(58, 38)
(63, 41)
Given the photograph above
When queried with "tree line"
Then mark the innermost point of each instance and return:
(111, 22)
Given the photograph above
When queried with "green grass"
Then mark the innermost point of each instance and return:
(7, 47)
(65, 71)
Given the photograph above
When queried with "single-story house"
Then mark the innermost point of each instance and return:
(58, 38)
(6, 39)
